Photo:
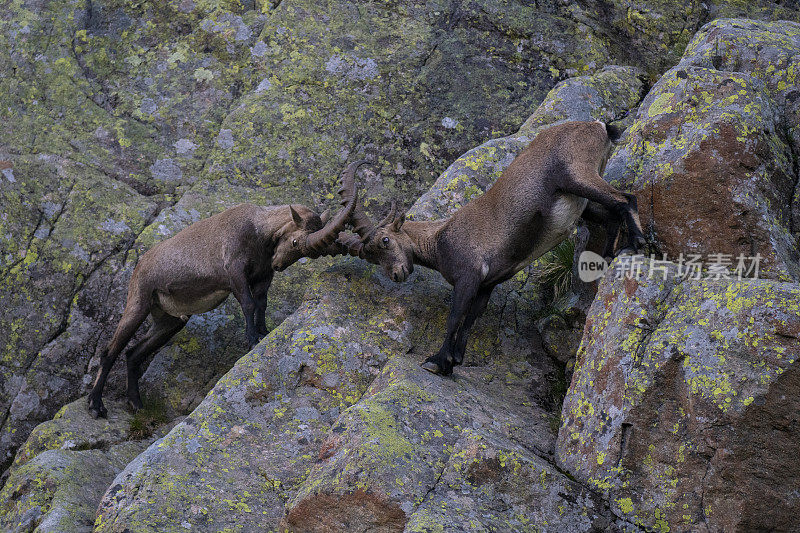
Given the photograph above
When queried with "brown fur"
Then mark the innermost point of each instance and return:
(236, 251)
(532, 207)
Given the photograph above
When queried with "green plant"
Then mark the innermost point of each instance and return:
(148, 419)
(555, 268)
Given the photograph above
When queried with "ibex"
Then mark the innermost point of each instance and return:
(532, 207)
(236, 251)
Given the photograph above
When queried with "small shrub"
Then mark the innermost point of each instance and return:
(148, 419)
(555, 268)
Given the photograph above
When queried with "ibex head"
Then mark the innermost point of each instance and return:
(384, 244)
(307, 234)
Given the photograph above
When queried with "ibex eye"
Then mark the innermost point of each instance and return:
(386, 240)
(294, 243)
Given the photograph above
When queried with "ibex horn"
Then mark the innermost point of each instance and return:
(319, 240)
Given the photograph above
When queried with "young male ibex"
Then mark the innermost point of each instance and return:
(236, 251)
(532, 207)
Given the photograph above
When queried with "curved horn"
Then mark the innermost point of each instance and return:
(362, 224)
(325, 216)
(320, 240)
(390, 217)
(351, 243)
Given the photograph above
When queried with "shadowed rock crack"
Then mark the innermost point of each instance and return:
(435, 483)
(121, 250)
(652, 323)
(4, 272)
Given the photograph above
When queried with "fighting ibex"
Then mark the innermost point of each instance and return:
(236, 251)
(532, 207)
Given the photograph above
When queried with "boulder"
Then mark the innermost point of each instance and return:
(712, 154)
(60, 473)
(239, 455)
(490, 484)
(58, 491)
(418, 451)
(73, 429)
(684, 403)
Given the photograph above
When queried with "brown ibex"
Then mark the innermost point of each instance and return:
(532, 207)
(236, 251)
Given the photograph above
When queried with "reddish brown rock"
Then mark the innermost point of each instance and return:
(329, 514)
(685, 404)
(712, 155)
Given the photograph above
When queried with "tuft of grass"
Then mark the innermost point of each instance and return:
(148, 419)
(554, 421)
(555, 268)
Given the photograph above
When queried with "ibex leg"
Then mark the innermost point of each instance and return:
(477, 308)
(260, 290)
(609, 219)
(464, 293)
(163, 329)
(596, 189)
(136, 310)
(241, 291)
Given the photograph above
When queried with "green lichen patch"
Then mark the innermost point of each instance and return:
(667, 373)
(720, 137)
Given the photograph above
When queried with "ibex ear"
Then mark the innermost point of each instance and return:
(398, 222)
(296, 217)
(325, 216)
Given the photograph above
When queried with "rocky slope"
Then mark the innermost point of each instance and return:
(333, 404)
(114, 137)
(122, 122)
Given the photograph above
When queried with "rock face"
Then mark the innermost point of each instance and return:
(685, 400)
(654, 34)
(418, 452)
(331, 388)
(66, 230)
(713, 153)
(60, 474)
(123, 122)
(324, 421)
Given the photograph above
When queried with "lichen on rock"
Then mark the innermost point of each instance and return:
(682, 399)
(712, 153)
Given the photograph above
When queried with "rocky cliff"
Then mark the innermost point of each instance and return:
(124, 122)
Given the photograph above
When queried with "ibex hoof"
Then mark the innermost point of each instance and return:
(431, 367)
(134, 406)
(434, 368)
(95, 412)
